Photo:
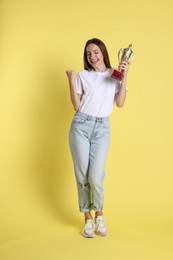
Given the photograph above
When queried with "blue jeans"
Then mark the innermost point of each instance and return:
(89, 142)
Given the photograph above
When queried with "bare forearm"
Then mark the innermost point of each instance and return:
(121, 95)
(75, 98)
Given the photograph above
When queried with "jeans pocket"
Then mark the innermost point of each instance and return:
(79, 119)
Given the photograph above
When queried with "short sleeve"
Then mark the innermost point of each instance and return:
(78, 84)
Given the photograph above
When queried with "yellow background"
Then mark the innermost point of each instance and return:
(39, 218)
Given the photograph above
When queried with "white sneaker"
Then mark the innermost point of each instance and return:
(101, 228)
(89, 229)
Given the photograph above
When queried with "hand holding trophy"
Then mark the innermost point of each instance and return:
(124, 54)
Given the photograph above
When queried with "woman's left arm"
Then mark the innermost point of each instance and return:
(121, 95)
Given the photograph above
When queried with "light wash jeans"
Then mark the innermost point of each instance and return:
(89, 142)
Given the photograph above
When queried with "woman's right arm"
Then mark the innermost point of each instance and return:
(75, 97)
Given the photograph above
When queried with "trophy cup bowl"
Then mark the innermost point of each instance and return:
(124, 54)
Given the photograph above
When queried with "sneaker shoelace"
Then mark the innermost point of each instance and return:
(89, 225)
(101, 226)
(101, 223)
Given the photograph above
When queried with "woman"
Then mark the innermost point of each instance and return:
(93, 94)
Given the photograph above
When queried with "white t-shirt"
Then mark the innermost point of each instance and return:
(98, 91)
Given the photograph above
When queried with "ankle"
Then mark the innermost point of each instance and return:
(87, 216)
(98, 213)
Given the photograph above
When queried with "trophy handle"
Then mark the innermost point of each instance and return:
(132, 56)
(119, 53)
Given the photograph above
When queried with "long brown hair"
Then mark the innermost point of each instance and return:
(103, 49)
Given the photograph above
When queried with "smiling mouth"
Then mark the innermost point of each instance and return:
(94, 61)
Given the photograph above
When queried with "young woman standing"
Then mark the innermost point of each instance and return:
(93, 94)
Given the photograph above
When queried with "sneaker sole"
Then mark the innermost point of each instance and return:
(102, 235)
(87, 236)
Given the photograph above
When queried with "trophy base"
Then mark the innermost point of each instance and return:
(117, 75)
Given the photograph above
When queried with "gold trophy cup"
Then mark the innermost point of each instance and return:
(124, 54)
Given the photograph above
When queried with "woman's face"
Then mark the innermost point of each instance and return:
(95, 57)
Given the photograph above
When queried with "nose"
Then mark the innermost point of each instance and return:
(92, 55)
